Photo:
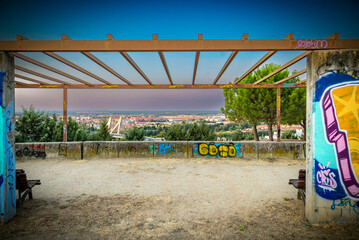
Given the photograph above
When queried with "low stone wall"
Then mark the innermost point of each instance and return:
(168, 149)
(49, 150)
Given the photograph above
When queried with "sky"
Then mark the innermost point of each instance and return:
(171, 19)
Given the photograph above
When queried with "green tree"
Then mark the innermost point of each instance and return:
(35, 126)
(103, 133)
(135, 134)
(254, 105)
(293, 110)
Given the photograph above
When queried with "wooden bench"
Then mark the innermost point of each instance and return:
(299, 184)
(24, 186)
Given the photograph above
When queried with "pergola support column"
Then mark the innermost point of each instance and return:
(332, 186)
(278, 114)
(7, 138)
(64, 128)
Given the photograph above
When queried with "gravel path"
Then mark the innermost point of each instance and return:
(210, 187)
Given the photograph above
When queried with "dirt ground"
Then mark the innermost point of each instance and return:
(166, 199)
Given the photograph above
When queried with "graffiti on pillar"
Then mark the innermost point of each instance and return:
(346, 204)
(218, 149)
(336, 140)
(7, 157)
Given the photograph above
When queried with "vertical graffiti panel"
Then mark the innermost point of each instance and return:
(2, 151)
(336, 140)
(7, 157)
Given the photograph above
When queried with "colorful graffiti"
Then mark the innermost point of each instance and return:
(7, 157)
(165, 148)
(218, 149)
(336, 141)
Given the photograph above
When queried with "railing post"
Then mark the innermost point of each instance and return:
(278, 114)
(64, 127)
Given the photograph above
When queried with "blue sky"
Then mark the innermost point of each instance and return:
(138, 20)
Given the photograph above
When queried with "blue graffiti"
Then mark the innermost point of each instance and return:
(327, 182)
(346, 203)
(288, 84)
(1, 179)
(165, 148)
(2, 74)
(326, 81)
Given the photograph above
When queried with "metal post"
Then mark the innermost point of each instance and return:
(278, 114)
(64, 128)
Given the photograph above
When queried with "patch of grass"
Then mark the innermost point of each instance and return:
(240, 227)
(272, 159)
(63, 206)
(207, 221)
(286, 199)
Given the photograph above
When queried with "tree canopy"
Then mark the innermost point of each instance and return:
(258, 104)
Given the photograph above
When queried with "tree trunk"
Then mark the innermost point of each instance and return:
(305, 130)
(270, 131)
(255, 134)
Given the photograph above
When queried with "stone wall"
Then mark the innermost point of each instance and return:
(168, 149)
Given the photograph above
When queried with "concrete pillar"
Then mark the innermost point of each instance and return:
(7, 139)
(332, 164)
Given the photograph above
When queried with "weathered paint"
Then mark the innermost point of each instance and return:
(48, 150)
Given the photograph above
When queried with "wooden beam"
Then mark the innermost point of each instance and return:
(292, 76)
(177, 45)
(64, 120)
(52, 69)
(288, 64)
(39, 75)
(162, 86)
(102, 64)
(134, 65)
(71, 64)
(164, 63)
(195, 67)
(225, 66)
(30, 79)
(260, 62)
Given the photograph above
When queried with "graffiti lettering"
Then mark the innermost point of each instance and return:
(325, 178)
(37, 151)
(345, 142)
(288, 84)
(63, 149)
(346, 203)
(165, 148)
(222, 150)
(312, 43)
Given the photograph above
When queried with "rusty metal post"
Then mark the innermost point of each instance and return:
(278, 114)
(64, 127)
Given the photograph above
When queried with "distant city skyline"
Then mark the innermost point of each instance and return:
(139, 19)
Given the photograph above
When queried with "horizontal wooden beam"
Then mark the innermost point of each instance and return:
(160, 86)
(177, 45)
(292, 76)
(254, 67)
(288, 64)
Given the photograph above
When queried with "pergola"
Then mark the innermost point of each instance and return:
(85, 47)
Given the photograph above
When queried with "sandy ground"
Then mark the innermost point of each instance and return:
(165, 199)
